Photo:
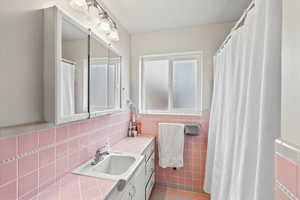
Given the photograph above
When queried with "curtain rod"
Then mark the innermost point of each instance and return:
(237, 24)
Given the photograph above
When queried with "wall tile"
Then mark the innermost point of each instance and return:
(46, 137)
(279, 195)
(38, 165)
(46, 157)
(298, 183)
(74, 160)
(194, 151)
(9, 191)
(9, 148)
(27, 142)
(28, 164)
(46, 175)
(286, 173)
(73, 146)
(51, 193)
(62, 166)
(61, 133)
(74, 129)
(61, 150)
(28, 183)
(8, 172)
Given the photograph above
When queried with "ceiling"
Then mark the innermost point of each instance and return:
(153, 15)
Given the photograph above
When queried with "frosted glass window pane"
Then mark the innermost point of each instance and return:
(184, 86)
(156, 75)
(98, 87)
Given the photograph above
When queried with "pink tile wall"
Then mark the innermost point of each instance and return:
(191, 176)
(287, 174)
(31, 161)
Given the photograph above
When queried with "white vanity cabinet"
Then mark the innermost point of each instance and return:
(134, 189)
(139, 182)
(140, 185)
(149, 169)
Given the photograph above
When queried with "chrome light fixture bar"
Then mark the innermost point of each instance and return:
(98, 16)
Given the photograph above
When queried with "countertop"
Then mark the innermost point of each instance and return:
(78, 187)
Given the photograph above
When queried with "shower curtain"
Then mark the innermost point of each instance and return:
(245, 112)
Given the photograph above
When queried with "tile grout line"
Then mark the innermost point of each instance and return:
(287, 158)
(18, 156)
(286, 191)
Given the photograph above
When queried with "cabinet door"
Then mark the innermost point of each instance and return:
(139, 183)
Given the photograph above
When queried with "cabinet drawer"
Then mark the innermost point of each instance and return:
(150, 186)
(149, 150)
(150, 166)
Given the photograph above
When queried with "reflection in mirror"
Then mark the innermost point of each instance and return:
(98, 78)
(114, 80)
(105, 77)
(73, 71)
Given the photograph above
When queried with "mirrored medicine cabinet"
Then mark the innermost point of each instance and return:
(82, 73)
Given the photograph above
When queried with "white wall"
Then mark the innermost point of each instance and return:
(291, 72)
(206, 38)
(21, 56)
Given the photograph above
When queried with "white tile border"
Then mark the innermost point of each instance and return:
(283, 189)
(292, 154)
(83, 134)
(288, 151)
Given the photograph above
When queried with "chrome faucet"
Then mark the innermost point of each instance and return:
(99, 155)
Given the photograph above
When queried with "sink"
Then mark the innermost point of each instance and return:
(114, 166)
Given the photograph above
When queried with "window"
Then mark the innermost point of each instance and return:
(171, 84)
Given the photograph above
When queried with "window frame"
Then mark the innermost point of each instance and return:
(173, 57)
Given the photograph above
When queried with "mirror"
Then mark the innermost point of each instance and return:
(114, 92)
(73, 71)
(98, 79)
(104, 77)
(81, 73)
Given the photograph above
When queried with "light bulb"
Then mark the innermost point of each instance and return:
(93, 15)
(104, 25)
(78, 4)
(114, 35)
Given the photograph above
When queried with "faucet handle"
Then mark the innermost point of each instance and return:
(102, 150)
(99, 150)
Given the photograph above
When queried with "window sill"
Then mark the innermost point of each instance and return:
(172, 114)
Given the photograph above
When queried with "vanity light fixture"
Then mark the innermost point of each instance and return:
(79, 4)
(98, 17)
(104, 24)
(114, 34)
(93, 14)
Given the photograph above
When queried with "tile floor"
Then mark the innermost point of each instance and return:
(162, 193)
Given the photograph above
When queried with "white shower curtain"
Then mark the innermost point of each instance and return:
(245, 114)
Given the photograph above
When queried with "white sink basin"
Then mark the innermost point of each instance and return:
(114, 166)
